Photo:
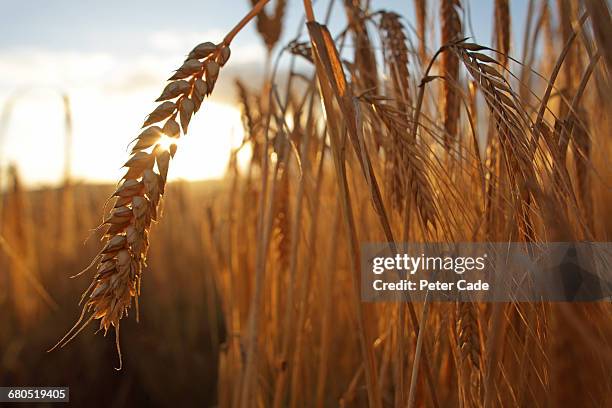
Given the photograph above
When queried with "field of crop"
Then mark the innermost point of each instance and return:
(247, 289)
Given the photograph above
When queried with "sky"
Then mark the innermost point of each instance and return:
(112, 59)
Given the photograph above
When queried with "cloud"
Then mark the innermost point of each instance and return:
(161, 53)
(42, 68)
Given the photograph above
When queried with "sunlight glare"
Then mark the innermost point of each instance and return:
(204, 152)
(165, 142)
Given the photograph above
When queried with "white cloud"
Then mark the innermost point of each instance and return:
(42, 68)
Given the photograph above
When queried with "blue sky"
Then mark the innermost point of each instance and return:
(119, 25)
(112, 57)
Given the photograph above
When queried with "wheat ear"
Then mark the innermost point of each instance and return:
(451, 31)
(271, 27)
(395, 41)
(502, 29)
(120, 263)
(420, 10)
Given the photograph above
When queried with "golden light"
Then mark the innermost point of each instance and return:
(165, 142)
(204, 152)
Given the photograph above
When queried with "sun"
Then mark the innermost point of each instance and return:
(165, 142)
(204, 152)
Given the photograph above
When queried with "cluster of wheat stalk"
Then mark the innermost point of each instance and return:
(455, 143)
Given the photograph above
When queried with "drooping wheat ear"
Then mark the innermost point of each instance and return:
(502, 29)
(512, 123)
(395, 42)
(396, 118)
(406, 165)
(270, 27)
(393, 119)
(121, 261)
(469, 351)
(511, 116)
(420, 9)
(451, 31)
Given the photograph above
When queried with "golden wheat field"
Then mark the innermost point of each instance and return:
(363, 122)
